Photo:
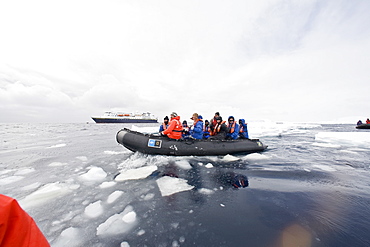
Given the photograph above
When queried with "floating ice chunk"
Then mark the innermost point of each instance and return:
(138, 173)
(170, 185)
(58, 145)
(141, 232)
(95, 173)
(205, 191)
(175, 225)
(69, 237)
(125, 244)
(82, 158)
(25, 171)
(57, 164)
(9, 180)
(107, 184)
(45, 193)
(148, 196)
(326, 145)
(222, 205)
(209, 165)
(112, 152)
(345, 138)
(32, 186)
(93, 210)
(5, 172)
(256, 157)
(183, 164)
(325, 168)
(182, 239)
(349, 152)
(129, 217)
(114, 196)
(116, 225)
(230, 158)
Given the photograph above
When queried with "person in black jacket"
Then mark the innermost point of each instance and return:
(219, 130)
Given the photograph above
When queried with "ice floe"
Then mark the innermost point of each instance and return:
(170, 185)
(94, 209)
(69, 237)
(118, 223)
(344, 138)
(94, 174)
(57, 164)
(107, 184)
(138, 173)
(183, 164)
(47, 193)
(10, 179)
(58, 145)
(24, 171)
(114, 196)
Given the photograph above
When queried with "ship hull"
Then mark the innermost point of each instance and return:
(123, 120)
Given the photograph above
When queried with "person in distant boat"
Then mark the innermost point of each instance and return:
(367, 121)
(359, 122)
(206, 130)
(174, 130)
(196, 130)
(232, 129)
(185, 129)
(219, 130)
(243, 129)
(164, 125)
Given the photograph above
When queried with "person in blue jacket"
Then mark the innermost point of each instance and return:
(206, 130)
(243, 129)
(232, 129)
(164, 125)
(196, 131)
(185, 130)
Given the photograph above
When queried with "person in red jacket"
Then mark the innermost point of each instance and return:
(174, 130)
(17, 228)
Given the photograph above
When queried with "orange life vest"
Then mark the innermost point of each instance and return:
(217, 128)
(174, 131)
(232, 129)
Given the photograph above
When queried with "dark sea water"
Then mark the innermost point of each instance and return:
(309, 188)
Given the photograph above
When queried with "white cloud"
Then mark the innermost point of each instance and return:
(284, 60)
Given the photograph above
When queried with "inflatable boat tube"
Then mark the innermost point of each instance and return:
(162, 145)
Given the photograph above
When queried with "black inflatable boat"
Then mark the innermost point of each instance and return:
(156, 144)
(363, 126)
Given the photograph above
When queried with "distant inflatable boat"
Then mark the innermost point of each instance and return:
(156, 144)
(363, 126)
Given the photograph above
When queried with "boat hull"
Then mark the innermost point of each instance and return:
(363, 126)
(155, 144)
(123, 120)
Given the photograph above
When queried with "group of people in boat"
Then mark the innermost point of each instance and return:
(360, 122)
(216, 129)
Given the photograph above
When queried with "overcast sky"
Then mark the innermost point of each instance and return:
(300, 61)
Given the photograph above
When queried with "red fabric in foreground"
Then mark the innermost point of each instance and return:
(17, 228)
